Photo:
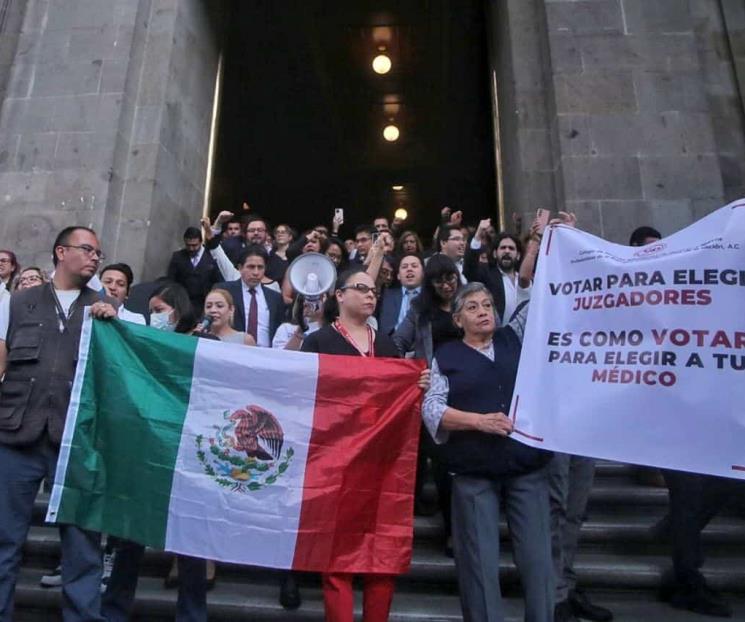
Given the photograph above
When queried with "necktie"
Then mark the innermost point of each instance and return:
(405, 302)
(253, 314)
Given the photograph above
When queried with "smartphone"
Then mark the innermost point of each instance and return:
(339, 215)
(375, 237)
(542, 215)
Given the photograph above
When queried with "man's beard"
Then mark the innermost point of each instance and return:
(507, 263)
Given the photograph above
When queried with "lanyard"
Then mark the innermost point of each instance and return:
(60, 311)
(339, 327)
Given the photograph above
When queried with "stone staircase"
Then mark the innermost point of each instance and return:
(619, 563)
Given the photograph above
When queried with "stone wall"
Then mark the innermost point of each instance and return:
(640, 104)
(105, 123)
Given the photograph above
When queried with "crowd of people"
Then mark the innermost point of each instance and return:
(456, 298)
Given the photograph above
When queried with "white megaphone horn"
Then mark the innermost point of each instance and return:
(312, 275)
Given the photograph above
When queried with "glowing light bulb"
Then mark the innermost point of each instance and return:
(401, 213)
(381, 64)
(391, 133)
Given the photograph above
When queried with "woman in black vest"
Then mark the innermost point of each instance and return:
(464, 409)
(348, 333)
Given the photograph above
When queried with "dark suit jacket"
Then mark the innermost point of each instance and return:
(488, 274)
(273, 301)
(197, 280)
(389, 308)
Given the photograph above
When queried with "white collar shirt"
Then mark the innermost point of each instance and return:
(197, 258)
(514, 295)
(262, 331)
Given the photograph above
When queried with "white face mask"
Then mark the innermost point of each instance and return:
(162, 321)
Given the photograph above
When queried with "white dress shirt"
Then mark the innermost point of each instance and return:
(198, 257)
(262, 336)
(513, 295)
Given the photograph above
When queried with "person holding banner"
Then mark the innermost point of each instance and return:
(464, 410)
(170, 310)
(40, 350)
(350, 334)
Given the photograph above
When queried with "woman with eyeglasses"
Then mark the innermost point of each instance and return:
(350, 334)
(29, 277)
(427, 326)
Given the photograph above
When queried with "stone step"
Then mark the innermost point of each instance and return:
(258, 602)
(619, 567)
(609, 528)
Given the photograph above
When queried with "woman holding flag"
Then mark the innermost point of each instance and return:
(352, 304)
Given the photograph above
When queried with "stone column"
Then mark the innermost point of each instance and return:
(105, 123)
(629, 111)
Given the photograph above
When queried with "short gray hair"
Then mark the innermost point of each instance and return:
(466, 292)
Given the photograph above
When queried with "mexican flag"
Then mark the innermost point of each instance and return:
(240, 454)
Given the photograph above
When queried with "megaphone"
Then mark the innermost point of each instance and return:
(312, 275)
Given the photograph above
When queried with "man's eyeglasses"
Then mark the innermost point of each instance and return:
(88, 250)
(450, 279)
(361, 288)
(31, 278)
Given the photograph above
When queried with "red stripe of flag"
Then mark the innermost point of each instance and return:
(357, 513)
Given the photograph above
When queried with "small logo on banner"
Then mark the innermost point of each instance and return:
(244, 454)
(650, 249)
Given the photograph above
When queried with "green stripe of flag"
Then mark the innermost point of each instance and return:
(133, 402)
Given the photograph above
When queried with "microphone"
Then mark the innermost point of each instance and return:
(205, 324)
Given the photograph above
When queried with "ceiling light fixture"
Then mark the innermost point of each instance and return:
(381, 64)
(397, 188)
(391, 133)
(401, 213)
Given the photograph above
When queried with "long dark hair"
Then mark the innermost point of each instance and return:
(344, 254)
(331, 306)
(437, 267)
(174, 295)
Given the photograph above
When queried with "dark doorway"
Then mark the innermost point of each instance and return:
(303, 112)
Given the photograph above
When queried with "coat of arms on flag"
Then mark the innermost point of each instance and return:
(245, 453)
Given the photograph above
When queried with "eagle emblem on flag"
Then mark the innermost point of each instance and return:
(244, 453)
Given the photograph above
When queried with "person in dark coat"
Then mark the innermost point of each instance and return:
(194, 269)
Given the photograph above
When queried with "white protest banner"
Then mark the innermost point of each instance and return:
(637, 354)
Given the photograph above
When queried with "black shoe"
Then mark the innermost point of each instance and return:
(583, 608)
(701, 600)
(289, 593)
(563, 612)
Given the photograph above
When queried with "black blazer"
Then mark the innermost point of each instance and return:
(197, 280)
(488, 274)
(390, 306)
(273, 301)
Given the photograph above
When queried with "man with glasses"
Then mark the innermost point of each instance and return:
(38, 357)
(363, 241)
(453, 245)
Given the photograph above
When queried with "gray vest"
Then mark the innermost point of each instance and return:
(35, 392)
